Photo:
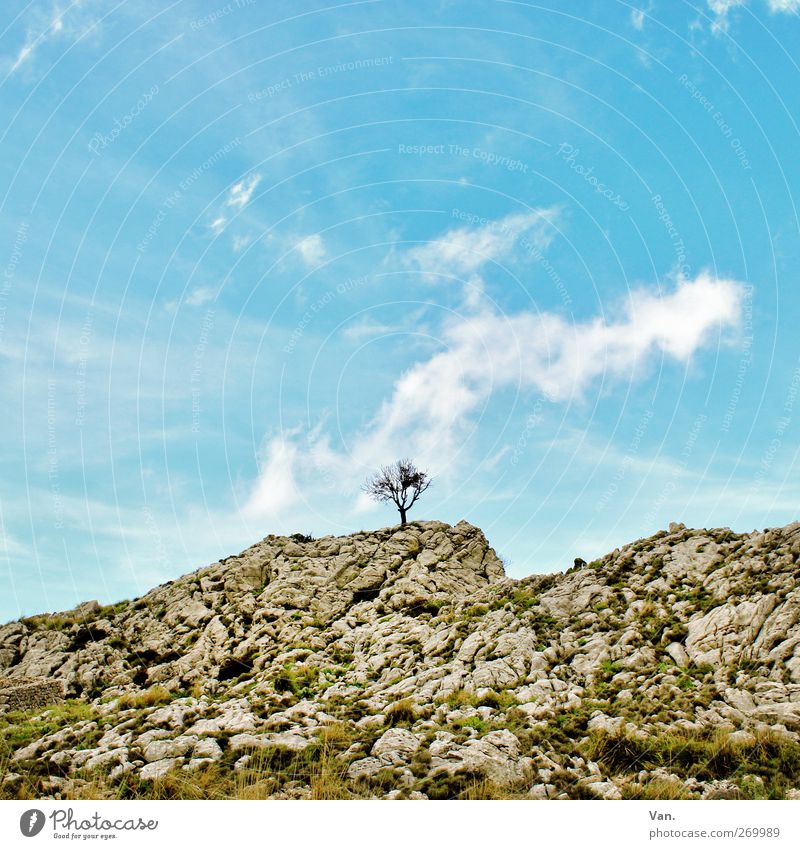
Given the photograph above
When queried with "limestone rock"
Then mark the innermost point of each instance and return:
(158, 769)
(396, 746)
(402, 663)
(496, 756)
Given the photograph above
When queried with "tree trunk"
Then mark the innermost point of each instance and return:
(402, 515)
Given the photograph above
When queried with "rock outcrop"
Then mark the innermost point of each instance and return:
(404, 663)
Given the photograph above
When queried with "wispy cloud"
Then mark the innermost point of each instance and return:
(199, 296)
(460, 254)
(10, 547)
(241, 192)
(721, 9)
(42, 26)
(218, 225)
(368, 328)
(238, 196)
(24, 53)
(239, 243)
(464, 250)
(787, 6)
(312, 249)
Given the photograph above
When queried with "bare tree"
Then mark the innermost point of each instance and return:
(402, 483)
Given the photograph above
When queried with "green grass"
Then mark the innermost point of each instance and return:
(297, 679)
(19, 728)
(460, 698)
(705, 756)
(475, 722)
(609, 668)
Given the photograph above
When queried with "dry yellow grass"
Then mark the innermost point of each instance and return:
(155, 695)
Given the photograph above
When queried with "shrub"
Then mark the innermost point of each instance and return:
(498, 701)
(401, 713)
(461, 698)
(298, 680)
(155, 695)
(302, 538)
(473, 722)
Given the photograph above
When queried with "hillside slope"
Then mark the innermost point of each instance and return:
(404, 663)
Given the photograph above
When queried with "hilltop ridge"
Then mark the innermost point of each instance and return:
(405, 663)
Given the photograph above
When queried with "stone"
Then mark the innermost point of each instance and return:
(496, 755)
(604, 789)
(121, 770)
(607, 724)
(781, 713)
(249, 741)
(396, 746)
(289, 741)
(12, 780)
(365, 768)
(722, 790)
(158, 769)
(542, 791)
(678, 653)
(207, 749)
(103, 760)
(160, 749)
(718, 636)
(171, 716)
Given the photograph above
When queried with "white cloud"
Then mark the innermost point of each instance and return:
(24, 53)
(238, 197)
(312, 249)
(75, 22)
(490, 351)
(199, 296)
(722, 8)
(465, 250)
(637, 18)
(434, 404)
(241, 192)
(276, 489)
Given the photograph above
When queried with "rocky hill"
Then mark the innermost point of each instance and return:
(403, 663)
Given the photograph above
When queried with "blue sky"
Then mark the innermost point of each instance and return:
(253, 250)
